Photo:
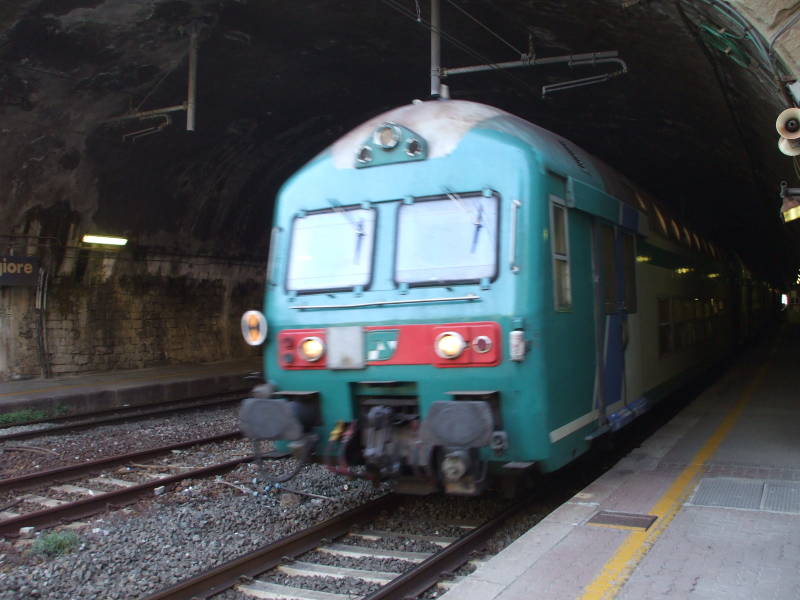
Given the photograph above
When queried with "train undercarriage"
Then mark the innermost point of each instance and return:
(388, 440)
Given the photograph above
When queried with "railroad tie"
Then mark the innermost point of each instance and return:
(305, 569)
(364, 552)
(274, 591)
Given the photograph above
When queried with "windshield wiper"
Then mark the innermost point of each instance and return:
(359, 227)
(360, 235)
(478, 218)
(478, 227)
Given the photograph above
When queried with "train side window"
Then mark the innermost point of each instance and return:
(562, 287)
(687, 237)
(607, 270)
(664, 326)
(676, 231)
(629, 271)
(642, 202)
(662, 223)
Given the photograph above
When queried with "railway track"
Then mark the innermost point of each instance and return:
(60, 500)
(253, 574)
(68, 424)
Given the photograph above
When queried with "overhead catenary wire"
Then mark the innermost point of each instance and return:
(463, 11)
(158, 83)
(459, 44)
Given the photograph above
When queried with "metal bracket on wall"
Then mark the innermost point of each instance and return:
(162, 114)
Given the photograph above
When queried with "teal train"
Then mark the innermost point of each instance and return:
(455, 296)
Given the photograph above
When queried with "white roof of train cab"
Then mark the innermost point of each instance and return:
(444, 123)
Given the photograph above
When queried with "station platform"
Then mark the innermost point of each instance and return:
(82, 394)
(708, 508)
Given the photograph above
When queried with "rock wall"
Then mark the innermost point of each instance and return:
(195, 259)
(777, 21)
(105, 310)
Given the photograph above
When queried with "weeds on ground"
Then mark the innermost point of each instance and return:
(21, 416)
(56, 543)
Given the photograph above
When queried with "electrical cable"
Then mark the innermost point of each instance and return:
(723, 86)
(486, 27)
(768, 61)
(788, 25)
(166, 74)
(460, 45)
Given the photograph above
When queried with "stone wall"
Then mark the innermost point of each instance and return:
(107, 310)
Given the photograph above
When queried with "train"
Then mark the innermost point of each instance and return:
(455, 297)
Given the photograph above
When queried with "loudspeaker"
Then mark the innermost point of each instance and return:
(789, 147)
(788, 123)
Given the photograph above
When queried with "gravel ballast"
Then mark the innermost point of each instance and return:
(200, 524)
(49, 451)
(131, 554)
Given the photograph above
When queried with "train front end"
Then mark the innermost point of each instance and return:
(395, 336)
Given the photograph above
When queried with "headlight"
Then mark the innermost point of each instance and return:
(254, 327)
(311, 348)
(449, 344)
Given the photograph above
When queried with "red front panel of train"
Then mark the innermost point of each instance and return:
(402, 345)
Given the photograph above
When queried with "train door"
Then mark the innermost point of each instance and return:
(614, 264)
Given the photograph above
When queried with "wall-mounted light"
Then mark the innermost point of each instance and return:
(643, 259)
(103, 239)
(790, 206)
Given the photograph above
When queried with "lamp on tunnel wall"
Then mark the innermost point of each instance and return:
(790, 206)
(104, 240)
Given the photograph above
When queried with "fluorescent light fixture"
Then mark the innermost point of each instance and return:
(103, 239)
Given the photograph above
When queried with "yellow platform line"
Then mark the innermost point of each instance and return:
(618, 569)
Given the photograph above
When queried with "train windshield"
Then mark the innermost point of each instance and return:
(450, 239)
(331, 250)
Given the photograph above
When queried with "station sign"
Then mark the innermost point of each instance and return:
(18, 270)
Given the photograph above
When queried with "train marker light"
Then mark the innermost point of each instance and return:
(104, 239)
(449, 344)
(311, 348)
(387, 136)
(254, 327)
(482, 344)
(413, 148)
(364, 155)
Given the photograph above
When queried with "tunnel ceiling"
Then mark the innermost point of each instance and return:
(280, 80)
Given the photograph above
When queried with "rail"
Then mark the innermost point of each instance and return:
(404, 586)
(119, 415)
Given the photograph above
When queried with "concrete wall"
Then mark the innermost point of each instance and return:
(115, 310)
